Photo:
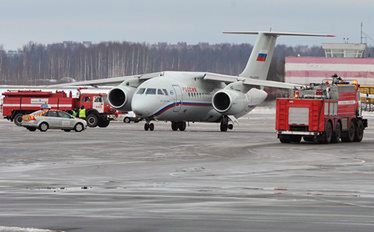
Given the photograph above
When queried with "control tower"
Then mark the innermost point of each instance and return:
(344, 50)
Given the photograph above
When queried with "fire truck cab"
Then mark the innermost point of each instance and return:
(328, 112)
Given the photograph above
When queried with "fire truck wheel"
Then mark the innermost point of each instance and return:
(337, 133)
(308, 138)
(359, 132)
(349, 136)
(295, 139)
(284, 139)
(92, 120)
(79, 127)
(43, 127)
(326, 137)
(18, 119)
(103, 123)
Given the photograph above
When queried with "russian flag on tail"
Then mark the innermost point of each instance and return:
(262, 57)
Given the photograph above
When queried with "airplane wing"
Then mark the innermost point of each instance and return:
(248, 81)
(109, 81)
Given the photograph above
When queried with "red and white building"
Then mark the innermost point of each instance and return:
(341, 59)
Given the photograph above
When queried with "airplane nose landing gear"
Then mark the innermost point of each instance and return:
(225, 124)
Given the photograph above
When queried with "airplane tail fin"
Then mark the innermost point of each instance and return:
(262, 53)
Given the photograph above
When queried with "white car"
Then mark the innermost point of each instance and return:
(131, 117)
(52, 119)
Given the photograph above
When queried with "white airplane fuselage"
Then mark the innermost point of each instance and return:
(188, 98)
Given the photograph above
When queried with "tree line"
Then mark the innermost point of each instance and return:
(39, 64)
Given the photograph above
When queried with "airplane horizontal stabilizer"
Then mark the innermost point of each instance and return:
(276, 33)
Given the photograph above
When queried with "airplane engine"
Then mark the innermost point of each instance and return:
(120, 97)
(230, 102)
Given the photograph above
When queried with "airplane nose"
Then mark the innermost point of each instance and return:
(138, 108)
(141, 107)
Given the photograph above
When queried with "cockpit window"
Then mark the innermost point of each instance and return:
(165, 92)
(159, 92)
(151, 91)
(141, 91)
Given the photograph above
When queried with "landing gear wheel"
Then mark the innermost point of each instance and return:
(146, 126)
(182, 126)
(79, 127)
(103, 123)
(18, 119)
(326, 137)
(174, 126)
(43, 127)
(231, 126)
(92, 120)
(224, 124)
(359, 132)
(337, 133)
(151, 127)
(349, 136)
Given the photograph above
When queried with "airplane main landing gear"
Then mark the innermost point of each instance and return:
(178, 125)
(225, 124)
(149, 126)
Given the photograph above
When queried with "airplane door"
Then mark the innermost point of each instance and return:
(178, 98)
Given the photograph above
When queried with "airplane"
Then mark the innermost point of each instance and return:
(181, 97)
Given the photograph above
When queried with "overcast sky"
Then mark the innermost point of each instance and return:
(192, 21)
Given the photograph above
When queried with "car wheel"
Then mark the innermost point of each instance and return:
(79, 127)
(127, 120)
(92, 120)
(31, 128)
(18, 119)
(43, 127)
(67, 130)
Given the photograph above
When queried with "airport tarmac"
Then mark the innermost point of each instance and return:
(122, 178)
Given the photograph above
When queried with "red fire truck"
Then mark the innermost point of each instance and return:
(323, 113)
(20, 102)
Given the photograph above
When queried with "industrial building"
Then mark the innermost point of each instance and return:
(344, 59)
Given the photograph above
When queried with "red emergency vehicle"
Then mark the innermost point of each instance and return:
(20, 102)
(324, 113)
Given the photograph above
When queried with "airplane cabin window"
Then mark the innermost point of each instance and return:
(165, 91)
(151, 91)
(141, 91)
(159, 92)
